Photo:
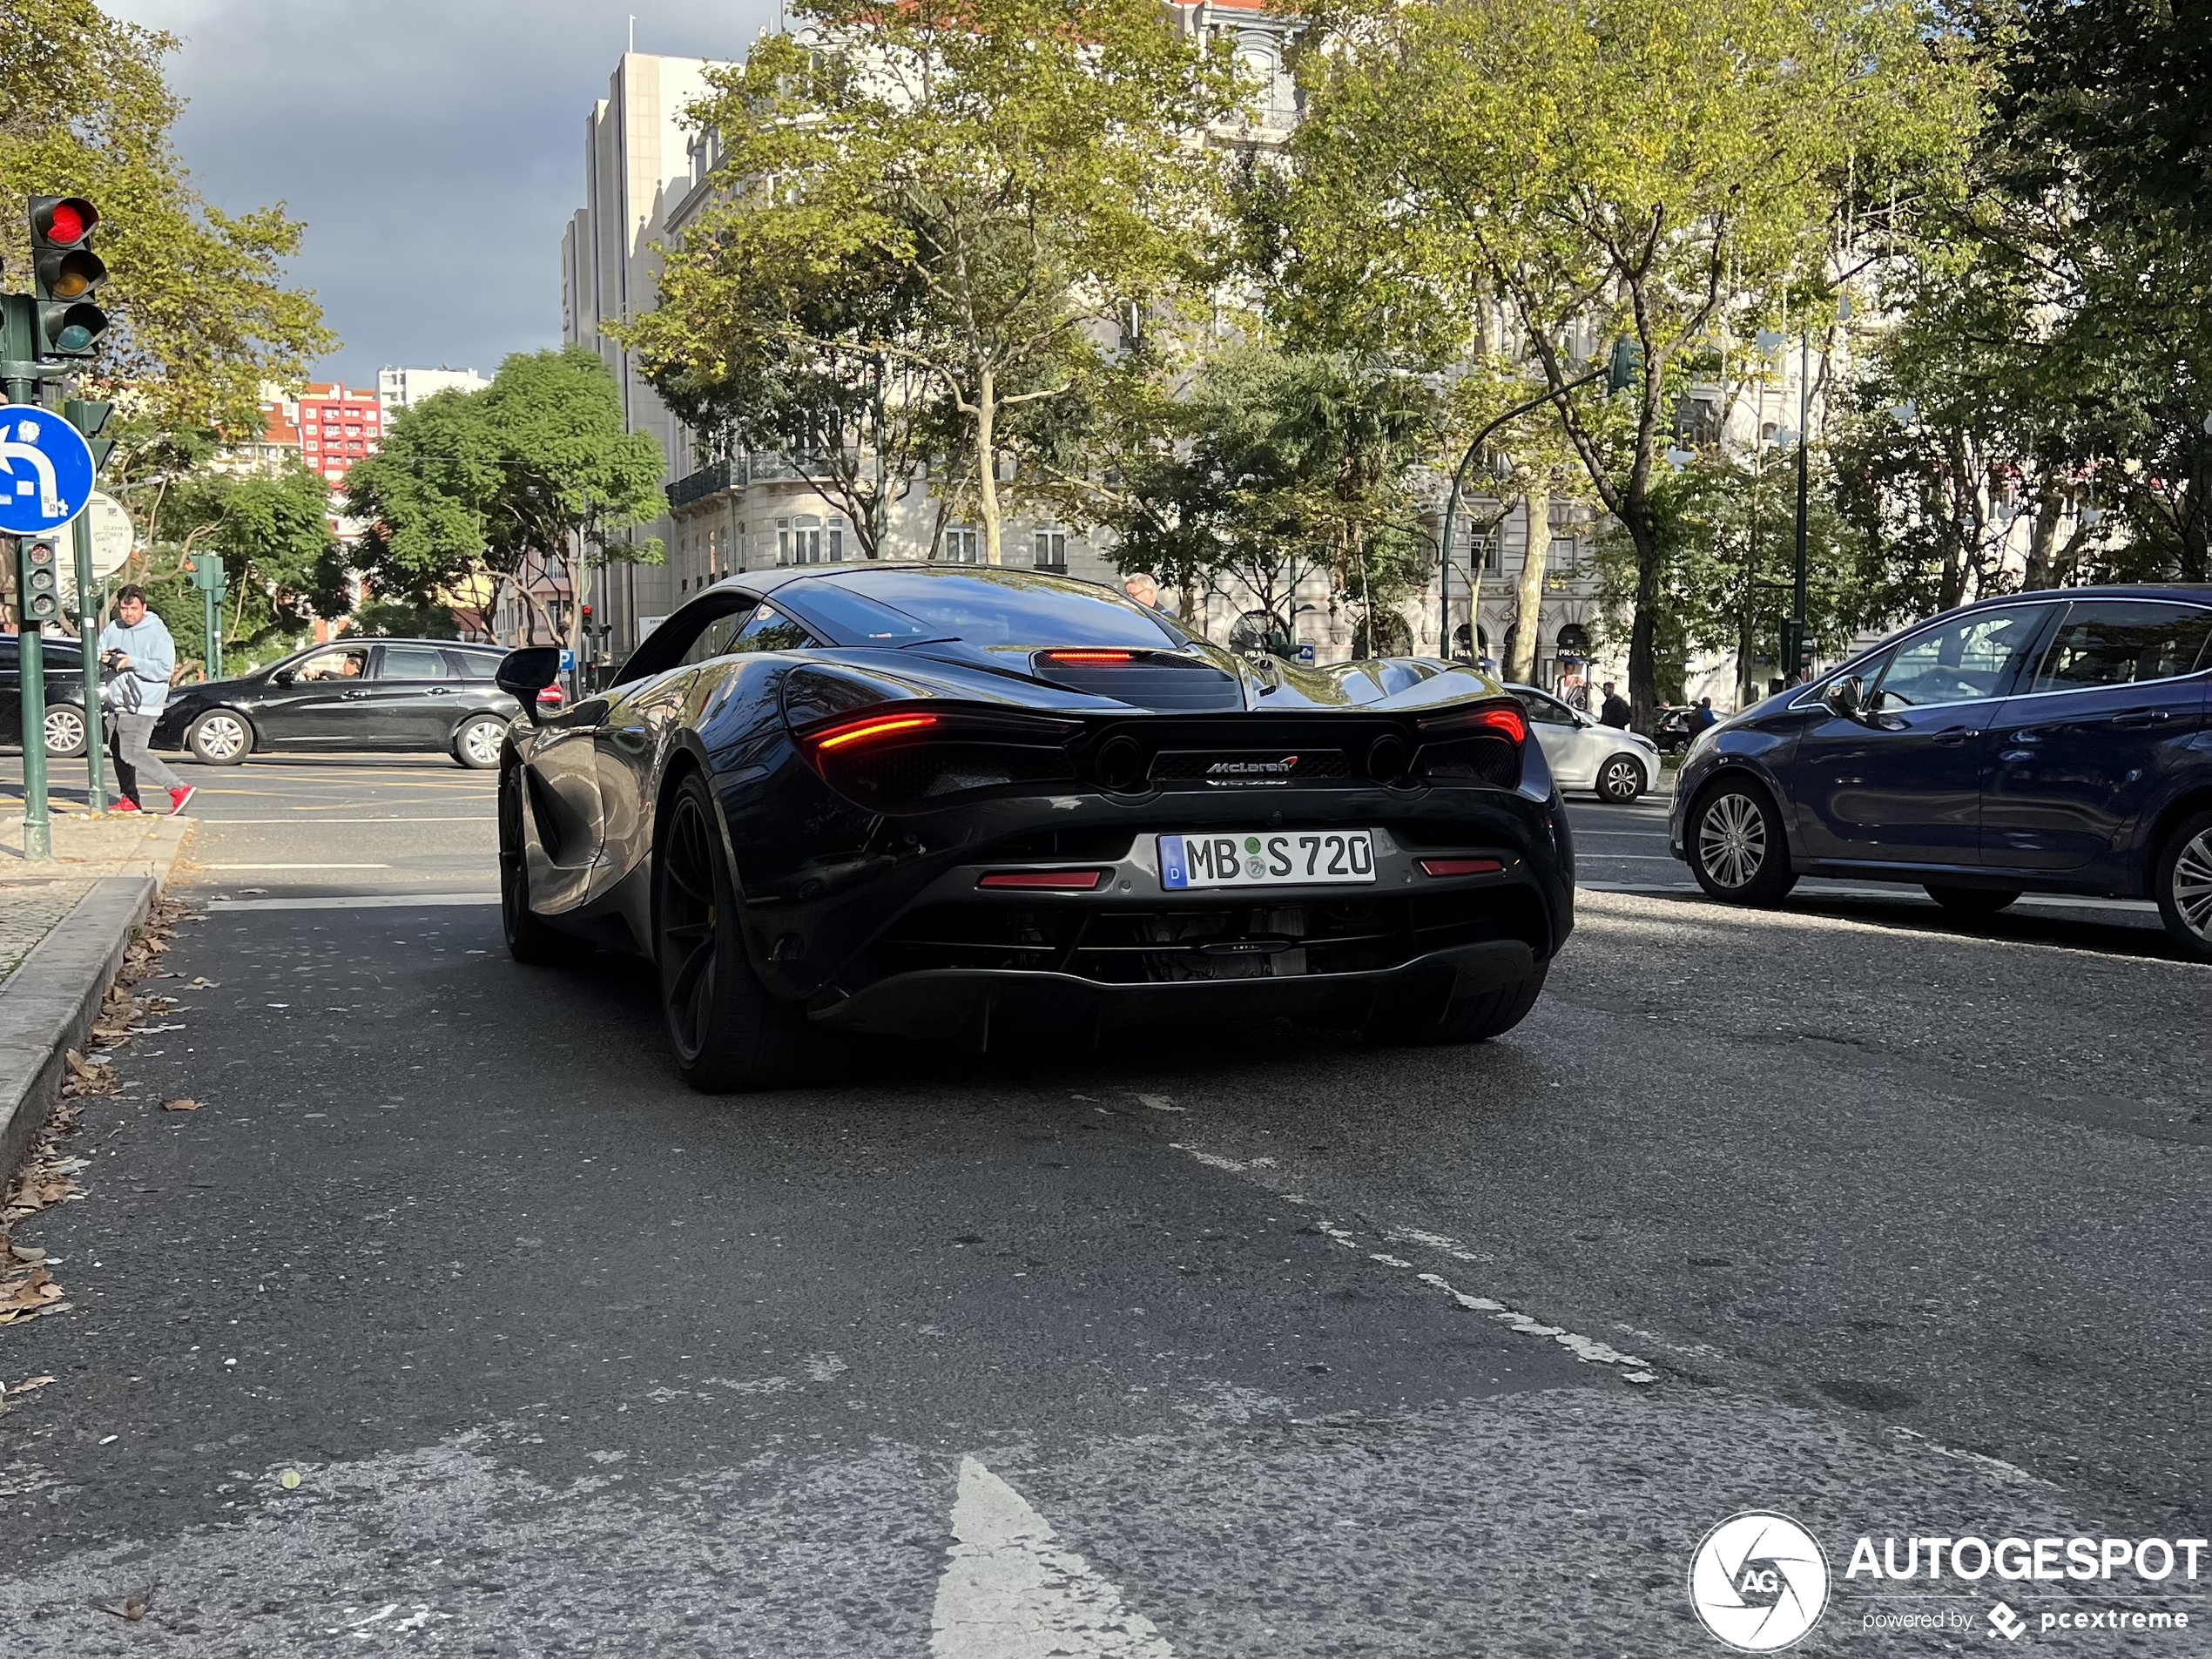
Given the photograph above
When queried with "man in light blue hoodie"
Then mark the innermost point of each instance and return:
(137, 652)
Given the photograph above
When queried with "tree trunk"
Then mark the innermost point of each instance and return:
(1643, 631)
(2049, 504)
(987, 466)
(1528, 596)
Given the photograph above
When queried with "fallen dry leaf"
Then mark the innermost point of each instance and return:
(186, 1105)
(30, 1383)
(133, 1607)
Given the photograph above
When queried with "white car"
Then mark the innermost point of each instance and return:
(1618, 766)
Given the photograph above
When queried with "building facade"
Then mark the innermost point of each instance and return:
(402, 389)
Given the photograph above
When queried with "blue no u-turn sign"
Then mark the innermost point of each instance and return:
(46, 471)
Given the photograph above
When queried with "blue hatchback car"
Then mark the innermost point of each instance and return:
(2050, 742)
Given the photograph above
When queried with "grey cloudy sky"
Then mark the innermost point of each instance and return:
(408, 134)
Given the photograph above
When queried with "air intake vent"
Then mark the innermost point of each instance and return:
(1165, 686)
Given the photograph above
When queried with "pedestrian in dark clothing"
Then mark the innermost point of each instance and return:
(1616, 708)
(1702, 717)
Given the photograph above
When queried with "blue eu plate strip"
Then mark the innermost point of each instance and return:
(1172, 874)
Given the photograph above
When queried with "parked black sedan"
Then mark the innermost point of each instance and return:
(953, 803)
(410, 694)
(2048, 742)
(65, 682)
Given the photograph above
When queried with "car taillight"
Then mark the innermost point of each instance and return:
(551, 698)
(857, 733)
(893, 759)
(1461, 866)
(1477, 745)
(1090, 658)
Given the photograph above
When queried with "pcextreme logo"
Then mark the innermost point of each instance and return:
(1759, 1582)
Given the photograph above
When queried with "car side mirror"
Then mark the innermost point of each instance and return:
(522, 674)
(1845, 698)
(285, 676)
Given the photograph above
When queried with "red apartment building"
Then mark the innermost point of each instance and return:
(331, 426)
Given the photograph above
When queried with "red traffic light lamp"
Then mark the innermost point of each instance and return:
(64, 221)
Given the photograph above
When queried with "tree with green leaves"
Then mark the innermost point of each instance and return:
(280, 558)
(202, 314)
(1653, 169)
(1032, 171)
(1273, 467)
(535, 471)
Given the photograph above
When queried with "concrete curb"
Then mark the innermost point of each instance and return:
(49, 1003)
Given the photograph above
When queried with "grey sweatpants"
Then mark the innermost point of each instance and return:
(132, 733)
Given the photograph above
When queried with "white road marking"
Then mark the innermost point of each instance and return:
(355, 901)
(1589, 1350)
(295, 867)
(1009, 1592)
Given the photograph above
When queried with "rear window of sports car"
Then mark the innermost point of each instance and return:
(981, 606)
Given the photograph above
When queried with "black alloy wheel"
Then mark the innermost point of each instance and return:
(2182, 881)
(1620, 780)
(1972, 901)
(530, 939)
(1736, 847)
(729, 1033)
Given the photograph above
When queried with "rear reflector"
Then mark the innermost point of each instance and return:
(1047, 880)
(864, 731)
(1461, 866)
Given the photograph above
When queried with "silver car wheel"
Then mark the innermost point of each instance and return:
(1620, 780)
(1731, 839)
(219, 738)
(480, 741)
(2192, 885)
(64, 731)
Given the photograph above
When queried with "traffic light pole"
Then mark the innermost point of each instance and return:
(20, 381)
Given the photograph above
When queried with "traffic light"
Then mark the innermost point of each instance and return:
(64, 272)
(91, 420)
(38, 597)
(1621, 370)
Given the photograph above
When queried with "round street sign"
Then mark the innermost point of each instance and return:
(111, 537)
(111, 527)
(46, 471)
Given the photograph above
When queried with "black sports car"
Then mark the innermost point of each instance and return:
(953, 803)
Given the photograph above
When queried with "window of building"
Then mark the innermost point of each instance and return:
(963, 545)
(1049, 550)
(804, 539)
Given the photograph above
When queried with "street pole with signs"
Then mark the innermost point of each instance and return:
(47, 467)
(209, 576)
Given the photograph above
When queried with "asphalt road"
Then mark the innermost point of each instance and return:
(1255, 1343)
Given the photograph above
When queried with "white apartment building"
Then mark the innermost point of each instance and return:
(402, 389)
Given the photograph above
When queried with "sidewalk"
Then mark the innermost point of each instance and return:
(64, 923)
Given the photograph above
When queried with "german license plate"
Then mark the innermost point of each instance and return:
(1282, 859)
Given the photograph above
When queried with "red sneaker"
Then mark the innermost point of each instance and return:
(123, 804)
(179, 797)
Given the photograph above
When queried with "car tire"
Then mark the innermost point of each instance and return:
(730, 1036)
(64, 731)
(2182, 883)
(1621, 779)
(1737, 850)
(1470, 1019)
(531, 940)
(477, 744)
(1972, 901)
(220, 738)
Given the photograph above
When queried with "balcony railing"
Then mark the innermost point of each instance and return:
(759, 466)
